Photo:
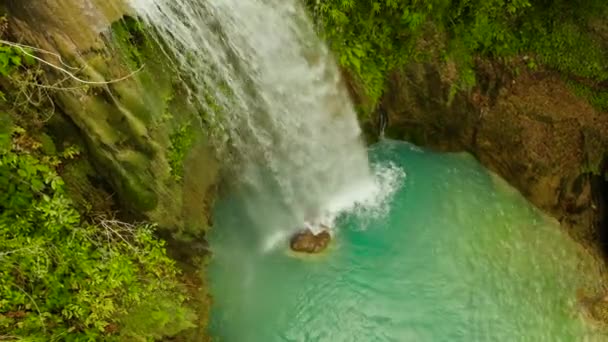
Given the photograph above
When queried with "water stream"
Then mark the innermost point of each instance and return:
(257, 68)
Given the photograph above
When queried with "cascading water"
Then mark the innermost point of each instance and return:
(260, 73)
(456, 255)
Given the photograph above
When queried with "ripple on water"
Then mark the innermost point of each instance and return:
(455, 255)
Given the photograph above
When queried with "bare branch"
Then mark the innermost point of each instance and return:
(17, 45)
(23, 50)
(117, 228)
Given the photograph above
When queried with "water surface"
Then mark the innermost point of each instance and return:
(454, 255)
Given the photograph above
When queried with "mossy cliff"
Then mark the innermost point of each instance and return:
(530, 128)
(145, 153)
(140, 132)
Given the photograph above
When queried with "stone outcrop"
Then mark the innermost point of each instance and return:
(140, 132)
(307, 242)
(143, 145)
(531, 129)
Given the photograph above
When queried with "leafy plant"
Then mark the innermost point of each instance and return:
(62, 278)
(10, 59)
(373, 38)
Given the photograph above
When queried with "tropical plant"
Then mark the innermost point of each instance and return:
(63, 278)
(373, 38)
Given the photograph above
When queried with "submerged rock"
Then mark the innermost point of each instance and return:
(307, 242)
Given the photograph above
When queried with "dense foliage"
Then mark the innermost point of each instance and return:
(65, 276)
(62, 278)
(372, 38)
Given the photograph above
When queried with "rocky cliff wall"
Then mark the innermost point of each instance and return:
(141, 134)
(527, 126)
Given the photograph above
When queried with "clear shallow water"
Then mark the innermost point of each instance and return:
(458, 256)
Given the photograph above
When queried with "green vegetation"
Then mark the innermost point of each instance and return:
(595, 95)
(63, 278)
(130, 36)
(11, 58)
(181, 143)
(372, 38)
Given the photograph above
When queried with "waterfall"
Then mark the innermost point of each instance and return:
(263, 78)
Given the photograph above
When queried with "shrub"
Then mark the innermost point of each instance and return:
(372, 38)
(62, 278)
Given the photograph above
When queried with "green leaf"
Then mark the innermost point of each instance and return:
(16, 60)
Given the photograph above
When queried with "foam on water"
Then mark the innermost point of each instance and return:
(367, 200)
(455, 255)
(276, 102)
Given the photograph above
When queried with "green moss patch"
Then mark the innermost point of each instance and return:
(181, 143)
(129, 33)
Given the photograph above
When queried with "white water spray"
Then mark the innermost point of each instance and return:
(258, 70)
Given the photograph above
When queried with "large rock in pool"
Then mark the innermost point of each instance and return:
(307, 242)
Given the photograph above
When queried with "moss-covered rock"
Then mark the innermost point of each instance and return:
(145, 150)
(145, 156)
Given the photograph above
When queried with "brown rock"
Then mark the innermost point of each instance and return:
(307, 242)
(530, 128)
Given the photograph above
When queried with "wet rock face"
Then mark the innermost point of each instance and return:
(307, 242)
(129, 126)
(529, 128)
